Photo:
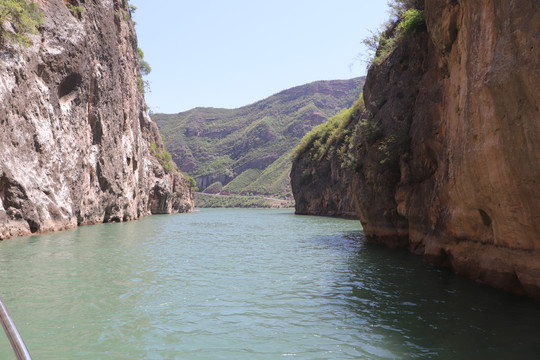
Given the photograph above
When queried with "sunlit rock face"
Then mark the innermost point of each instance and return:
(447, 149)
(465, 192)
(74, 132)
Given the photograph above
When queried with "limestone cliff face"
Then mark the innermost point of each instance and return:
(448, 157)
(74, 132)
(465, 98)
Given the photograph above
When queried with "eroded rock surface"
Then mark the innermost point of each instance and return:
(74, 132)
(452, 170)
(466, 192)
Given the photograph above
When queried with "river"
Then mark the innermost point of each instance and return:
(249, 284)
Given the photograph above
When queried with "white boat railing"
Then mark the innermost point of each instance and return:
(15, 339)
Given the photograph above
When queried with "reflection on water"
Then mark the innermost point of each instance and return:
(249, 284)
(416, 311)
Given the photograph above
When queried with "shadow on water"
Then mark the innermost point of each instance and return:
(408, 309)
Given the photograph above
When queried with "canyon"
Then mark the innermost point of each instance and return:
(247, 150)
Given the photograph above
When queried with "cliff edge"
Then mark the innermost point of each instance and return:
(322, 167)
(447, 148)
(75, 136)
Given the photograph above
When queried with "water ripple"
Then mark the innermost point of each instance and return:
(249, 284)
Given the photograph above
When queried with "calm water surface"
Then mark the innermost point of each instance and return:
(249, 284)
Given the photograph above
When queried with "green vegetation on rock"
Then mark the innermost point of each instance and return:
(144, 69)
(163, 156)
(238, 201)
(243, 181)
(274, 180)
(406, 19)
(248, 150)
(334, 137)
(76, 9)
(412, 21)
(18, 18)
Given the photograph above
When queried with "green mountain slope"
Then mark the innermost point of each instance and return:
(247, 150)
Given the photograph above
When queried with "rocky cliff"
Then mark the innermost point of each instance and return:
(447, 147)
(329, 190)
(74, 132)
(322, 170)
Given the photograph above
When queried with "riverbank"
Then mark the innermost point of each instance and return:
(203, 200)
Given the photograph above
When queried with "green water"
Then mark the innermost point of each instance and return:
(249, 284)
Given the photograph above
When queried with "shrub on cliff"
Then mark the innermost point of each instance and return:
(163, 156)
(23, 17)
(191, 181)
(144, 69)
(411, 22)
(407, 18)
(332, 137)
(398, 7)
(76, 10)
(371, 130)
(144, 66)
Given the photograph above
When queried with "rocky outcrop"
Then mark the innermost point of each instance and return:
(322, 188)
(465, 192)
(448, 145)
(75, 135)
(205, 181)
(322, 175)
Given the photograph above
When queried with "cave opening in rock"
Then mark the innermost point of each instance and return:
(486, 219)
(67, 90)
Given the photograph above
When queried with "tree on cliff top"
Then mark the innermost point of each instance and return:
(19, 18)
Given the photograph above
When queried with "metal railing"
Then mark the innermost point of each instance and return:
(15, 339)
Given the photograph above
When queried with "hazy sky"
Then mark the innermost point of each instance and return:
(231, 53)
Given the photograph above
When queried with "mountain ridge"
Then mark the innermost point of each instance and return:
(217, 145)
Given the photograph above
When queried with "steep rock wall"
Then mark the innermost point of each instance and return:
(74, 132)
(334, 198)
(323, 185)
(447, 150)
(464, 97)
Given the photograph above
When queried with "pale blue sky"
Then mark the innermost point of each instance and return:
(233, 53)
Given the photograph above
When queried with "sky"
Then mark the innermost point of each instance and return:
(231, 53)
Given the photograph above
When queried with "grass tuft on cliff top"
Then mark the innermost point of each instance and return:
(332, 137)
(407, 18)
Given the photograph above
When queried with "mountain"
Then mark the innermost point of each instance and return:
(445, 155)
(76, 143)
(247, 150)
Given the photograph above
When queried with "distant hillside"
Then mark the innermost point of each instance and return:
(247, 150)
